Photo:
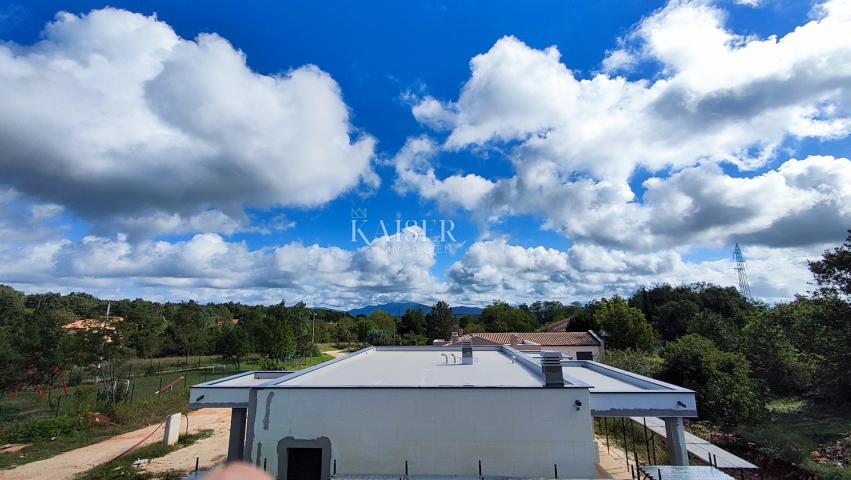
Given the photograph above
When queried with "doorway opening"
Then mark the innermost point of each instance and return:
(304, 464)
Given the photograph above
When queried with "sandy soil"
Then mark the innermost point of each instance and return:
(67, 465)
(336, 353)
(210, 451)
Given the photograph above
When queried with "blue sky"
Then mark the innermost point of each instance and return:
(387, 59)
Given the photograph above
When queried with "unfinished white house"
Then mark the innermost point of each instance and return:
(437, 411)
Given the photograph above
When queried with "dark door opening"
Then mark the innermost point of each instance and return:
(304, 464)
(585, 355)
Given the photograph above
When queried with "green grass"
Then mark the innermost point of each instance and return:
(26, 418)
(123, 468)
(796, 427)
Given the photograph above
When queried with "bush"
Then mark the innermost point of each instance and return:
(269, 363)
(725, 392)
(414, 339)
(377, 337)
(45, 428)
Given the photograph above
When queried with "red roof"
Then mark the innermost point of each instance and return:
(544, 339)
(558, 325)
(92, 324)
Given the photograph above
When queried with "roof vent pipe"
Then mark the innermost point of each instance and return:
(467, 352)
(551, 368)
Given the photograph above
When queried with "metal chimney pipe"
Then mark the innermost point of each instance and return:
(467, 352)
(551, 368)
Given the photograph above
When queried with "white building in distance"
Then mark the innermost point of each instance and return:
(459, 411)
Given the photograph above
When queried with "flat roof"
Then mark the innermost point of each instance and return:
(602, 382)
(417, 368)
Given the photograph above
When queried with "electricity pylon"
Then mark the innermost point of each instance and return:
(742, 269)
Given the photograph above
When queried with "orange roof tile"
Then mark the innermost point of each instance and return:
(545, 339)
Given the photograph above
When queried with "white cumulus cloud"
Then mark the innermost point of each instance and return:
(118, 119)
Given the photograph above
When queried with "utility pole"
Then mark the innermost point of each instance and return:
(313, 328)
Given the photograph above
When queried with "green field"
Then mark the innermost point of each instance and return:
(61, 422)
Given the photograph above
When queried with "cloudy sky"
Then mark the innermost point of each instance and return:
(346, 154)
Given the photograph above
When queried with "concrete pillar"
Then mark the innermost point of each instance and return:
(236, 442)
(172, 430)
(676, 440)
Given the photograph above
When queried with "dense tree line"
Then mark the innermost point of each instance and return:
(733, 352)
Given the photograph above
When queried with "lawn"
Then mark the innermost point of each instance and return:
(797, 427)
(64, 422)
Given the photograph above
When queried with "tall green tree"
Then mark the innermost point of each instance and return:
(625, 327)
(833, 272)
(190, 329)
(413, 321)
(440, 321)
(232, 344)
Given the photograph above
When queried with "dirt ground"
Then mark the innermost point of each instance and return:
(67, 465)
(209, 451)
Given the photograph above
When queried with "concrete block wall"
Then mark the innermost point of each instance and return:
(518, 432)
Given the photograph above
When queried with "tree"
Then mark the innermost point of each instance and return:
(673, 318)
(38, 341)
(833, 272)
(440, 321)
(413, 321)
(190, 329)
(502, 317)
(830, 314)
(386, 323)
(725, 392)
(721, 330)
(280, 342)
(143, 327)
(346, 331)
(232, 344)
(636, 361)
(625, 326)
(774, 359)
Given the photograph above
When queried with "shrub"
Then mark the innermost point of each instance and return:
(45, 428)
(725, 392)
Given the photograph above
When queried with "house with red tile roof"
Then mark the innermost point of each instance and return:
(577, 345)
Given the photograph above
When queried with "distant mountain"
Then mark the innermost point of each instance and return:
(398, 309)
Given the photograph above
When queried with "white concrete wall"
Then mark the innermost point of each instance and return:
(571, 351)
(440, 431)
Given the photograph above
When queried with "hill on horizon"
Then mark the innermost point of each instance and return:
(399, 308)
